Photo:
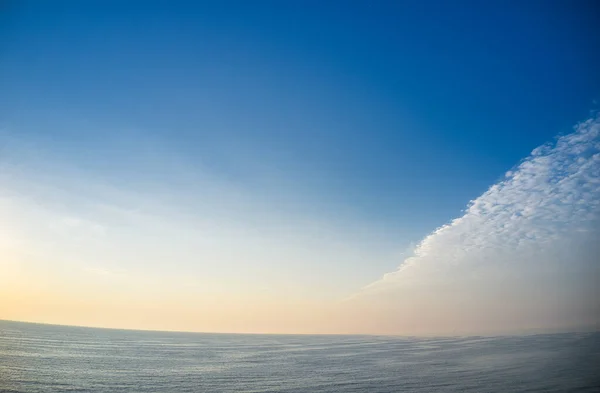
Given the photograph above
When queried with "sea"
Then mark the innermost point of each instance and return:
(49, 358)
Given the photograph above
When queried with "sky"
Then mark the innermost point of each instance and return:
(412, 168)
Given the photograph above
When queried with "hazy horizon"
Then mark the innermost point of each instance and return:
(583, 330)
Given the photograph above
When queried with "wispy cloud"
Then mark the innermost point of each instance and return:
(528, 244)
(112, 274)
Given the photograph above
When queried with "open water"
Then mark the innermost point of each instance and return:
(47, 358)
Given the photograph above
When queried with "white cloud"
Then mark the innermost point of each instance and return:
(112, 274)
(528, 244)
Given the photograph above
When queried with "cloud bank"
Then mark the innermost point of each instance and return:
(524, 255)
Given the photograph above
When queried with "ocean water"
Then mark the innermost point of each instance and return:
(45, 358)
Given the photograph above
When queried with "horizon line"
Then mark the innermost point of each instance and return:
(590, 330)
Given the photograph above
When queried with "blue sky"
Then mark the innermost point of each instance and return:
(381, 120)
(380, 108)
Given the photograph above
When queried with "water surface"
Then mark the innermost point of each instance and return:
(47, 358)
